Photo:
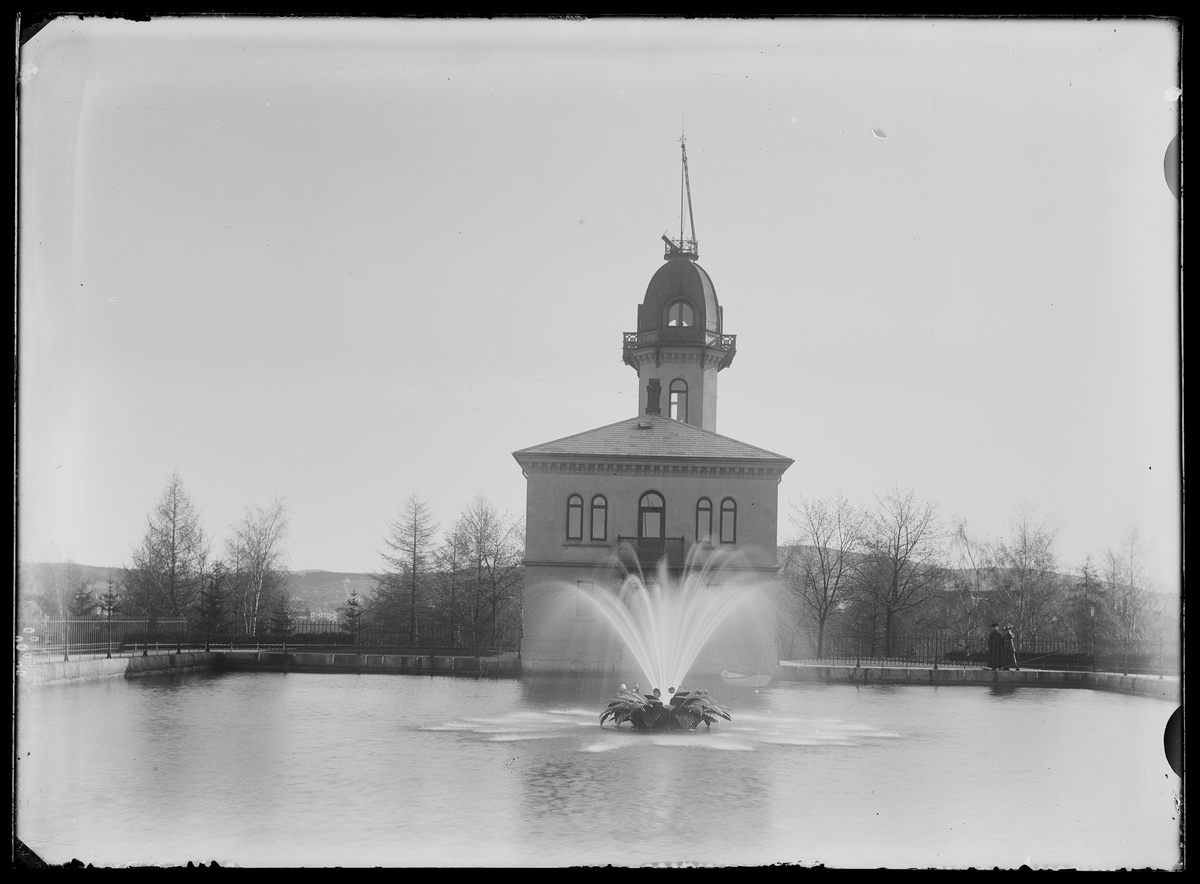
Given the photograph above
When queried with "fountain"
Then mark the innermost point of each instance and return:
(665, 623)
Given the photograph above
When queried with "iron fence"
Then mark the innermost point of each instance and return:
(44, 641)
(48, 640)
(1136, 657)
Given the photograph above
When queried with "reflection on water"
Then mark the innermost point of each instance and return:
(292, 769)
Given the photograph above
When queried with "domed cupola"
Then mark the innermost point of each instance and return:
(680, 294)
(680, 344)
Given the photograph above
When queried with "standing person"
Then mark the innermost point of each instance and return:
(1009, 652)
(995, 642)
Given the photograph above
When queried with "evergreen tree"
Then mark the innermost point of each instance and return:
(169, 560)
(83, 602)
(402, 582)
(211, 610)
(109, 602)
(353, 613)
(281, 620)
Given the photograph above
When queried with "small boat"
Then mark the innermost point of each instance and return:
(738, 680)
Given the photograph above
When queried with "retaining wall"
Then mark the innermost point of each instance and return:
(81, 670)
(1148, 685)
(508, 666)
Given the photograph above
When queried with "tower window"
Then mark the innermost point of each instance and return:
(728, 521)
(652, 515)
(679, 400)
(574, 517)
(703, 520)
(599, 518)
(681, 313)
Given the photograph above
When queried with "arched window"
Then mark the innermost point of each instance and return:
(728, 521)
(652, 515)
(680, 313)
(678, 410)
(574, 517)
(703, 520)
(599, 518)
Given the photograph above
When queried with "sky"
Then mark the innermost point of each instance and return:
(340, 261)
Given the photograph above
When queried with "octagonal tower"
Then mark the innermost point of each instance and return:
(680, 344)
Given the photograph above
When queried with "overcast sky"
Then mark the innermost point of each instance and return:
(343, 260)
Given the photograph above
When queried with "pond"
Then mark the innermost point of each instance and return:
(275, 769)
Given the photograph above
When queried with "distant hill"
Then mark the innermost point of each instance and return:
(310, 590)
(326, 590)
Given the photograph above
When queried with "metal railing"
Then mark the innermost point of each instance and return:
(633, 341)
(1148, 658)
(679, 334)
(652, 550)
(49, 641)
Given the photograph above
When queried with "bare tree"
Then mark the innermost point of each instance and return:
(1124, 574)
(821, 564)
(902, 566)
(1087, 610)
(493, 545)
(258, 551)
(1027, 584)
(452, 561)
(59, 584)
(409, 547)
(165, 577)
(969, 580)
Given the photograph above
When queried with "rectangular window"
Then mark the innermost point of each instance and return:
(583, 599)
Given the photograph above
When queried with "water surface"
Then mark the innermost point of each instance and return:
(261, 769)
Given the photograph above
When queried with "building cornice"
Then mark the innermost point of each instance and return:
(725, 468)
(575, 566)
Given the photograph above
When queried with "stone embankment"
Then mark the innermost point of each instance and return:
(61, 672)
(1166, 688)
(504, 666)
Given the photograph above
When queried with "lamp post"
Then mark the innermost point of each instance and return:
(1093, 616)
(108, 631)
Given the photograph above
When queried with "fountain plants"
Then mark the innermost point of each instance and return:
(647, 712)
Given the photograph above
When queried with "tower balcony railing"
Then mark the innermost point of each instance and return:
(652, 550)
(679, 334)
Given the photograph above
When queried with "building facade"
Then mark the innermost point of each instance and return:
(662, 486)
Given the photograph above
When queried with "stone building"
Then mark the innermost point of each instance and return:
(662, 485)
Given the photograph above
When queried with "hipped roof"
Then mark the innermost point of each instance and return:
(652, 436)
